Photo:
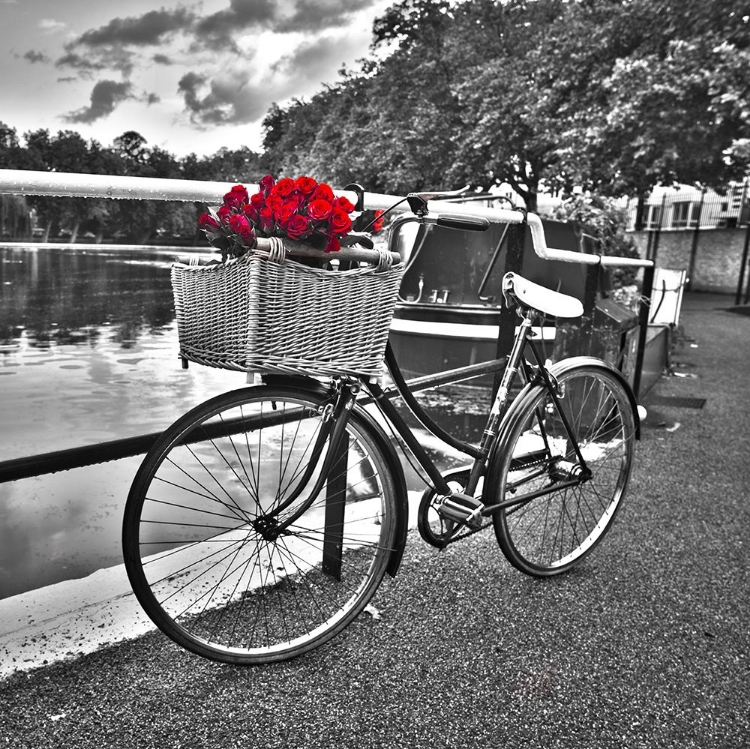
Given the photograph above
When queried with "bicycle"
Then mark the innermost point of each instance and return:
(262, 522)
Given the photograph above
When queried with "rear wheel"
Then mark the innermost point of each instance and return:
(563, 506)
(208, 546)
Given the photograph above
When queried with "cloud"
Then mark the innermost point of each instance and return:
(49, 25)
(105, 96)
(110, 47)
(219, 29)
(222, 80)
(152, 27)
(113, 58)
(226, 99)
(317, 60)
(33, 56)
(317, 15)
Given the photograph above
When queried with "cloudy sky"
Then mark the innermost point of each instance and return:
(188, 76)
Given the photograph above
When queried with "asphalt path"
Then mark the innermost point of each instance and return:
(646, 644)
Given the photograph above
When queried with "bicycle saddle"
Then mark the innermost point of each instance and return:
(530, 294)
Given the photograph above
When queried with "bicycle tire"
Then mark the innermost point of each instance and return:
(196, 540)
(549, 534)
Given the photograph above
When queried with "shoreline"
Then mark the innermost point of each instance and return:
(72, 618)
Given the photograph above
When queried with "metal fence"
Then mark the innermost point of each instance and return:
(692, 208)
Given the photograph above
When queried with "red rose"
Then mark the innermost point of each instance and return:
(284, 187)
(345, 204)
(240, 225)
(323, 192)
(339, 222)
(306, 185)
(266, 218)
(333, 244)
(298, 227)
(319, 210)
(250, 211)
(274, 202)
(236, 197)
(296, 200)
(207, 221)
(284, 216)
(266, 184)
(224, 213)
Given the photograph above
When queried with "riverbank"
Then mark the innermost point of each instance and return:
(644, 645)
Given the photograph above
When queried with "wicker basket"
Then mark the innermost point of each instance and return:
(254, 314)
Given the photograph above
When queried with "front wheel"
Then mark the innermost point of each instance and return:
(225, 547)
(558, 502)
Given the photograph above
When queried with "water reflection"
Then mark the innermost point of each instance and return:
(88, 353)
(88, 348)
(61, 296)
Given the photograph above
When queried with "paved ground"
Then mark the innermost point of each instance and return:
(645, 645)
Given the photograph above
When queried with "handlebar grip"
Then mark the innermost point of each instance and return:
(465, 223)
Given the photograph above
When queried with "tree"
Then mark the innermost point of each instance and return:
(131, 145)
(678, 105)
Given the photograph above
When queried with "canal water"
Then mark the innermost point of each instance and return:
(88, 353)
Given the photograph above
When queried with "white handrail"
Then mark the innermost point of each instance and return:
(64, 184)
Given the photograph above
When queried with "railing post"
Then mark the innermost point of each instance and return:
(694, 243)
(643, 315)
(333, 526)
(654, 248)
(745, 250)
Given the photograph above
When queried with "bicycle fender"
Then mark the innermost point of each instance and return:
(399, 481)
(590, 361)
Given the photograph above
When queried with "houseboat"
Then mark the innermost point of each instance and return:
(448, 313)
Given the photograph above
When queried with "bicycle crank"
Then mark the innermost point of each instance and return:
(461, 508)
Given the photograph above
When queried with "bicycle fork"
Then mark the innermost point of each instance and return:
(335, 416)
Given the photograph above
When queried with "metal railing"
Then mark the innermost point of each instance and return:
(20, 182)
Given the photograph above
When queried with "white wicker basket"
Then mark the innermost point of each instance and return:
(254, 314)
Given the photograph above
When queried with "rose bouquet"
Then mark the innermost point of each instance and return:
(300, 209)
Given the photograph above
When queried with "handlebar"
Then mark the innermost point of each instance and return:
(479, 218)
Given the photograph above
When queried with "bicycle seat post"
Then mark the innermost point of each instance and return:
(511, 369)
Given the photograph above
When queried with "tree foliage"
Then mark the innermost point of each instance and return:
(613, 95)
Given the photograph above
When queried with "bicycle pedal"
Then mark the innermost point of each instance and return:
(461, 508)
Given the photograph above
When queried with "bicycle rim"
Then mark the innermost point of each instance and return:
(199, 537)
(563, 519)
